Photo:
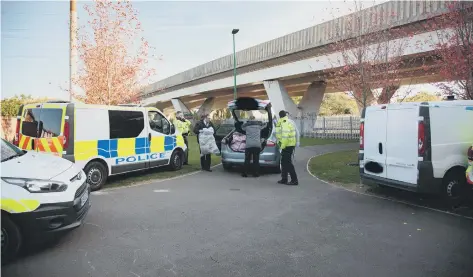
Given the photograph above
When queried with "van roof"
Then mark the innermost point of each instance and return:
(431, 104)
(93, 106)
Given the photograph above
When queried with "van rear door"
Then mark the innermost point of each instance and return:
(42, 128)
(375, 141)
(402, 144)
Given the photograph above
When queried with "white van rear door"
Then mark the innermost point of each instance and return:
(402, 145)
(375, 141)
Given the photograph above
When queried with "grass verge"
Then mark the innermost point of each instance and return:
(320, 141)
(161, 172)
(335, 167)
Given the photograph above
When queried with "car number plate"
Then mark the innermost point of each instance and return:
(84, 198)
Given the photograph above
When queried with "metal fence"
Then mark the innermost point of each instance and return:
(331, 127)
(334, 127)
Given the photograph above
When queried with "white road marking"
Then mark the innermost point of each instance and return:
(99, 192)
(379, 197)
(161, 190)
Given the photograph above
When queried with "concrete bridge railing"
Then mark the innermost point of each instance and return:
(397, 13)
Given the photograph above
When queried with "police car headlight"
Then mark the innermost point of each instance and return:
(37, 186)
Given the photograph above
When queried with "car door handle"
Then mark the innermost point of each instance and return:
(380, 148)
(149, 139)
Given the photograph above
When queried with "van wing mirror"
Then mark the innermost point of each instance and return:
(173, 129)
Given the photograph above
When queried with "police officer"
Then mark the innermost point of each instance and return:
(286, 135)
(183, 125)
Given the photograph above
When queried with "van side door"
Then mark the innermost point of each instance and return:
(128, 140)
(162, 143)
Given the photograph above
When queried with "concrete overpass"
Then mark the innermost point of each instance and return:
(297, 64)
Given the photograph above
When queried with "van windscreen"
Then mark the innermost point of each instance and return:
(46, 121)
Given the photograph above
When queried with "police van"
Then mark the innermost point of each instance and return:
(41, 195)
(103, 140)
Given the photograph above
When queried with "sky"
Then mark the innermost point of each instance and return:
(35, 35)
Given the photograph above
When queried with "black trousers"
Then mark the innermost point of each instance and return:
(252, 153)
(286, 164)
(184, 136)
(205, 161)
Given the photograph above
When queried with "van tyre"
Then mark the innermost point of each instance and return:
(96, 174)
(175, 163)
(11, 239)
(455, 188)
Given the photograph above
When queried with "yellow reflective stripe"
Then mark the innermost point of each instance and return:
(19, 206)
(126, 147)
(84, 150)
(157, 144)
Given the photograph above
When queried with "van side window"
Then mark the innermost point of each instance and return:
(158, 123)
(43, 123)
(125, 124)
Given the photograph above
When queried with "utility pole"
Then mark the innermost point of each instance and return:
(72, 44)
(234, 31)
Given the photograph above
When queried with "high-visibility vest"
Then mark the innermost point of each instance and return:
(183, 126)
(286, 133)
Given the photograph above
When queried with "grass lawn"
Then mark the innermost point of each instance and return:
(333, 167)
(161, 172)
(320, 141)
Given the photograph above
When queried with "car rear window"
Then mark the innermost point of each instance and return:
(48, 120)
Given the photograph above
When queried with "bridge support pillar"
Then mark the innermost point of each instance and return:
(386, 94)
(179, 106)
(310, 105)
(206, 107)
(279, 97)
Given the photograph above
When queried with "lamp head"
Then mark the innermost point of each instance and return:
(234, 31)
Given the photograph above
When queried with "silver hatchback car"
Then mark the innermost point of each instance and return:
(270, 155)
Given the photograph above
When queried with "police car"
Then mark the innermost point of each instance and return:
(103, 140)
(41, 194)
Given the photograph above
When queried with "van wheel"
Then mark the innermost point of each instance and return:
(11, 239)
(96, 174)
(226, 166)
(175, 163)
(455, 187)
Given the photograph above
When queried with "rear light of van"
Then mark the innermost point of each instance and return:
(270, 143)
(66, 135)
(362, 135)
(421, 138)
(470, 153)
(16, 140)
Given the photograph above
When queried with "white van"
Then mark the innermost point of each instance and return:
(103, 140)
(419, 147)
(41, 195)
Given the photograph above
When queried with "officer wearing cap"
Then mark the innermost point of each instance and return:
(182, 126)
(286, 134)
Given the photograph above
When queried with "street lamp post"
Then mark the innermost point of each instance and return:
(234, 31)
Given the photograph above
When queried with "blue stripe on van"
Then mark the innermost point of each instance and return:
(141, 146)
(103, 148)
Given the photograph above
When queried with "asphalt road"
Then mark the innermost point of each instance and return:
(219, 224)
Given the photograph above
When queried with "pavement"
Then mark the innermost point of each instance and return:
(219, 224)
